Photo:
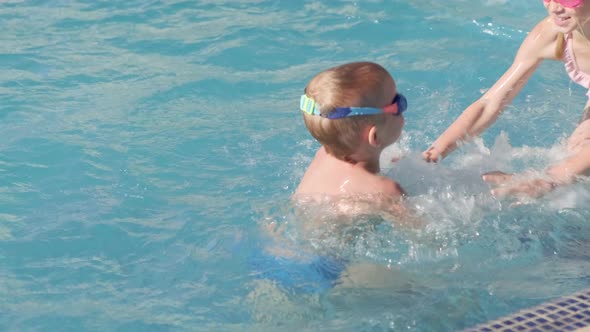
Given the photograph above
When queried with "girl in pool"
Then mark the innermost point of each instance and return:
(564, 35)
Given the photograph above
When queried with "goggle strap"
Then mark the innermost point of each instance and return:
(308, 105)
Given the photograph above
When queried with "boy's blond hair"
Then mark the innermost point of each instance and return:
(357, 84)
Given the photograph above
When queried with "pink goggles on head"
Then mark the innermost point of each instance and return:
(567, 3)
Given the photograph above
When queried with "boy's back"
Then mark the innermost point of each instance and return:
(329, 176)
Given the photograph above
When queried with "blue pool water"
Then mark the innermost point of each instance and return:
(146, 147)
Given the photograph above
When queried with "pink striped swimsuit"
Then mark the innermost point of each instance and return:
(571, 66)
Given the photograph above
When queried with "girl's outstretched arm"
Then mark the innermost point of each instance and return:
(536, 185)
(533, 185)
(537, 46)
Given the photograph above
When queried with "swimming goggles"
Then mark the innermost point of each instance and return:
(397, 107)
(568, 3)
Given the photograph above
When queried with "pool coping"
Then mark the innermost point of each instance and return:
(568, 313)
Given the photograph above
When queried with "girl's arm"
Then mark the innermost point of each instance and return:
(564, 173)
(586, 114)
(537, 46)
(560, 174)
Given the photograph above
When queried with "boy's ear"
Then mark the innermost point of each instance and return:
(372, 136)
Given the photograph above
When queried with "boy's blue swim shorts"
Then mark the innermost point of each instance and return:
(311, 274)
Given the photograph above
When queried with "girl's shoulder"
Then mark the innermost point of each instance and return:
(542, 40)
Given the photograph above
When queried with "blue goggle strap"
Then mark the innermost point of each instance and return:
(309, 106)
(341, 112)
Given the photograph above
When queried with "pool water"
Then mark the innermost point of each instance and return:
(148, 147)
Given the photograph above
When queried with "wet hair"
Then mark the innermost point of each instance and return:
(560, 46)
(357, 84)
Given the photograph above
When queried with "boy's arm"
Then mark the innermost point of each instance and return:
(392, 188)
(393, 208)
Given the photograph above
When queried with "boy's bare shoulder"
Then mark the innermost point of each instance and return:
(389, 187)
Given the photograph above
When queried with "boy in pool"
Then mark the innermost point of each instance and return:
(355, 112)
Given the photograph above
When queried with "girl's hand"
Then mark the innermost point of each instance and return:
(432, 155)
(521, 187)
